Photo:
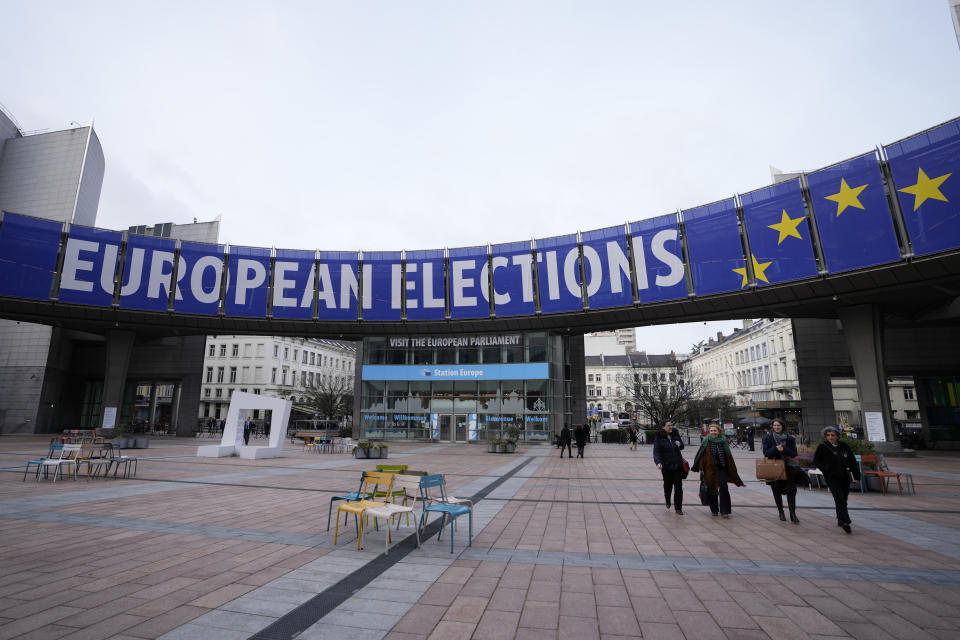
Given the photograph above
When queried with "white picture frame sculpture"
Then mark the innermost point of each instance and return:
(231, 442)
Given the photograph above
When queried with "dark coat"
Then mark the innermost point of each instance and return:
(564, 436)
(711, 470)
(580, 435)
(834, 466)
(769, 446)
(667, 453)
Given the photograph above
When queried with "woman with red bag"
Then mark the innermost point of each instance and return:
(666, 453)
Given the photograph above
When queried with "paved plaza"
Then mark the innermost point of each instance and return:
(231, 549)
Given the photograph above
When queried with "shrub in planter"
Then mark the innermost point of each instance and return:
(384, 450)
(511, 446)
(860, 447)
(613, 435)
(511, 434)
(501, 447)
(362, 450)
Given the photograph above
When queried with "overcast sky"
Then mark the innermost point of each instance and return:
(413, 125)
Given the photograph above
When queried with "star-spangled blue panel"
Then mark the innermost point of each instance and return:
(853, 218)
(28, 256)
(713, 242)
(926, 175)
(779, 233)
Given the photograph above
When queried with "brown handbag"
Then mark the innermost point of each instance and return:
(771, 470)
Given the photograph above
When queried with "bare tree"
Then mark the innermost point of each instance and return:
(330, 398)
(662, 399)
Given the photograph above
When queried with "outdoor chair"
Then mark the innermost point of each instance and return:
(879, 473)
(64, 456)
(353, 496)
(441, 506)
(55, 448)
(407, 486)
(372, 482)
(390, 468)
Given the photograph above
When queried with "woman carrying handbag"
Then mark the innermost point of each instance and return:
(778, 445)
(839, 467)
(666, 454)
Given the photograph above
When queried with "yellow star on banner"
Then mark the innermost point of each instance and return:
(758, 271)
(926, 188)
(847, 197)
(787, 227)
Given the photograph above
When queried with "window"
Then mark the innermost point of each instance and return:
(209, 374)
(213, 350)
(589, 377)
(283, 376)
(303, 378)
(229, 393)
(223, 351)
(310, 378)
(737, 357)
(295, 351)
(304, 357)
(258, 375)
(234, 350)
(206, 392)
(286, 353)
(764, 347)
(233, 374)
(247, 350)
(218, 393)
(276, 351)
(312, 360)
(273, 376)
(256, 392)
(260, 347)
(245, 375)
(766, 373)
(908, 393)
(219, 374)
(206, 409)
(243, 390)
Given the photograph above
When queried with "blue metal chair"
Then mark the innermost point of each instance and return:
(38, 462)
(441, 506)
(353, 496)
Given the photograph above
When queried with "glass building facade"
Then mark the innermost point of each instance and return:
(464, 388)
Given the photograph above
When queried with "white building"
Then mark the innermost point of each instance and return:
(903, 401)
(274, 366)
(606, 374)
(611, 343)
(756, 365)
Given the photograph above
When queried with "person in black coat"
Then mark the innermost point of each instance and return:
(836, 462)
(580, 436)
(749, 432)
(667, 445)
(247, 428)
(565, 440)
(778, 445)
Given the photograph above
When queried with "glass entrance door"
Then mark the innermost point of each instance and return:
(461, 427)
(445, 421)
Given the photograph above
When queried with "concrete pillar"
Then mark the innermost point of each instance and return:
(863, 330)
(175, 408)
(118, 350)
(152, 416)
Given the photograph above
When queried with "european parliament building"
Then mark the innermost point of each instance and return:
(467, 388)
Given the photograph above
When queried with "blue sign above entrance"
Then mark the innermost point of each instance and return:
(851, 215)
(520, 371)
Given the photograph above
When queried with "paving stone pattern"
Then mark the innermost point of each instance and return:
(229, 548)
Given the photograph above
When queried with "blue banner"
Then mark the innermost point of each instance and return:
(713, 242)
(607, 262)
(926, 175)
(513, 291)
(147, 271)
(658, 259)
(522, 371)
(90, 266)
(424, 284)
(469, 297)
(28, 256)
(293, 283)
(338, 283)
(382, 295)
(247, 285)
(852, 215)
(779, 234)
(199, 275)
(558, 274)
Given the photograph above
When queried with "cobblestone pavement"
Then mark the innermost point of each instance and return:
(200, 548)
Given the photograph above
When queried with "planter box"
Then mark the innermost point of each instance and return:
(491, 448)
(359, 453)
(373, 452)
(511, 447)
(384, 453)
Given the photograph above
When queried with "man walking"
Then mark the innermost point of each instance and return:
(580, 435)
(749, 434)
(565, 440)
(247, 427)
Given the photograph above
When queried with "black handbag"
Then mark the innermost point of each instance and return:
(704, 492)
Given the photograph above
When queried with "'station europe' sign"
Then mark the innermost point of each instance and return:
(618, 266)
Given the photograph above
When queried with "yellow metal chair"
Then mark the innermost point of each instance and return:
(373, 481)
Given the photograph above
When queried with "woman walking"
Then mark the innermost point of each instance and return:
(632, 434)
(666, 454)
(716, 463)
(778, 445)
(839, 467)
